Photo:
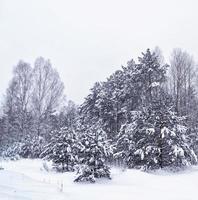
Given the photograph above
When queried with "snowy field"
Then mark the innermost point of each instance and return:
(27, 180)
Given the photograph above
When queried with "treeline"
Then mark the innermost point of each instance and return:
(143, 116)
(33, 107)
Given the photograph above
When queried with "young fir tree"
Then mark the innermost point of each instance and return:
(62, 150)
(31, 147)
(94, 150)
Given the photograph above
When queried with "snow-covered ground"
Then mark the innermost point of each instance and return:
(27, 180)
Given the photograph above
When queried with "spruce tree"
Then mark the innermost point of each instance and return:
(62, 150)
(94, 150)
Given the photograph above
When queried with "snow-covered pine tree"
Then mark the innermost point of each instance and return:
(154, 139)
(175, 148)
(62, 150)
(105, 104)
(111, 104)
(94, 149)
(151, 76)
(124, 143)
(90, 109)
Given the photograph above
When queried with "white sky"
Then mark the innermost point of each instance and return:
(87, 40)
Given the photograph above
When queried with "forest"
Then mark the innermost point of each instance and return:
(144, 116)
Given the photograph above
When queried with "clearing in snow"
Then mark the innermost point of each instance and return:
(28, 180)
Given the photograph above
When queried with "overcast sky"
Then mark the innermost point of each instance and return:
(87, 40)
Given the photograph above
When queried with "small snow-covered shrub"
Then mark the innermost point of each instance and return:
(12, 151)
(31, 147)
(84, 173)
(28, 148)
(87, 173)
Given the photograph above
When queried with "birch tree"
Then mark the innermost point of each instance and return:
(47, 94)
(182, 75)
(17, 102)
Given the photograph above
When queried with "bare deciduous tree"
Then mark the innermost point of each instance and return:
(47, 94)
(159, 55)
(18, 98)
(182, 74)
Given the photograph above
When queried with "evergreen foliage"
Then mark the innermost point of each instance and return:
(62, 150)
(94, 149)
